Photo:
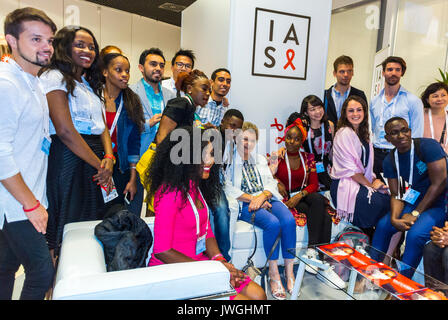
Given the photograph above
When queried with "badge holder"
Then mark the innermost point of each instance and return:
(112, 195)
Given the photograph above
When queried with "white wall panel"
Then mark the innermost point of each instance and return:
(53, 8)
(85, 14)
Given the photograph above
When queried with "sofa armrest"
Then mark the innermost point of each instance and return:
(186, 280)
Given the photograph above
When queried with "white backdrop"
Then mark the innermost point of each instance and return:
(298, 25)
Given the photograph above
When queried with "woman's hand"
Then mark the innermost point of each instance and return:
(236, 276)
(131, 187)
(257, 202)
(104, 175)
(282, 190)
(294, 201)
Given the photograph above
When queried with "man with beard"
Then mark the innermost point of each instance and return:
(152, 95)
(335, 96)
(393, 101)
(24, 147)
(214, 111)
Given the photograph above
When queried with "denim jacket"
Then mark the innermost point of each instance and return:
(128, 138)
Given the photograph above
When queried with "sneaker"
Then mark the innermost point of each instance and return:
(311, 254)
(331, 278)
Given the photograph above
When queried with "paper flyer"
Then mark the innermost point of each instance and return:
(389, 279)
(345, 254)
(424, 294)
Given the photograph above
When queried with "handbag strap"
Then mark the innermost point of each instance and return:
(252, 221)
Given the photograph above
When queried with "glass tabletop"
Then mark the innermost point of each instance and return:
(359, 271)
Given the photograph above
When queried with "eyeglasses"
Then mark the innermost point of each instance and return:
(183, 65)
(155, 64)
(397, 132)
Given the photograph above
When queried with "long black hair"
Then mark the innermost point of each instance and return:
(62, 60)
(132, 102)
(166, 174)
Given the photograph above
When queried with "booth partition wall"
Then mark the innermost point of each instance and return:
(416, 30)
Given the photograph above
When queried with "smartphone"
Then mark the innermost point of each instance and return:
(127, 198)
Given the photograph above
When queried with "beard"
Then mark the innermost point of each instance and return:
(36, 61)
(392, 81)
(150, 78)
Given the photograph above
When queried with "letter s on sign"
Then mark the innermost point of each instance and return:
(266, 52)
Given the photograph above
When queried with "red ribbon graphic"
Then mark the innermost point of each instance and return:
(290, 54)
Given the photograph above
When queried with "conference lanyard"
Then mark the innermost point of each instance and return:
(117, 116)
(196, 213)
(385, 103)
(411, 166)
(289, 170)
(322, 138)
(432, 127)
(42, 103)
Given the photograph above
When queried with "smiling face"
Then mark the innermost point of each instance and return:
(315, 112)
(438, 99)
(399, 134)
(153, 68)
(199, 91)
(246, 142)
(33, 47)
(117, 73)
(83, 49)
(221, 84)
(181, 64)
(355, 113)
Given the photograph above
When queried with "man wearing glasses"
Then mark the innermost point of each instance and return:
(183, 61)
(416, 173)
(152, 95)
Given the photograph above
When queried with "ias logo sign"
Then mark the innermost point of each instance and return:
(281, 42)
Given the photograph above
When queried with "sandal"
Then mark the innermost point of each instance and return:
(287, 282)
(279, 293)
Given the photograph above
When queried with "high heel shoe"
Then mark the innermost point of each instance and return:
(287, 282)
(279, 293)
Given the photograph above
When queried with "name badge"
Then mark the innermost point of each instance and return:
(411, 196)
(83, 126)
(200, 245)
(46, 143)
(320, 167)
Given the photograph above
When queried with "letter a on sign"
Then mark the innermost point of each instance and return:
(288, 37)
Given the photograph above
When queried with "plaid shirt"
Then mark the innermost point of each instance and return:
(211, 113)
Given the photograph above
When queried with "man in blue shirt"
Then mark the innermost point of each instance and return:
(214, 111)
(152, 95)
(416, 209)
(393, 101)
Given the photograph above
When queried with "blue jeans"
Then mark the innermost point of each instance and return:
(21, 244)
(281, 221)
(416, 237)
(220, 225)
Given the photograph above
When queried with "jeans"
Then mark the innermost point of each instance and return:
(416, 237)
(435, 262)
(21, 244)
(220, 224)
(280, 221)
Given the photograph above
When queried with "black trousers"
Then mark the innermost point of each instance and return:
(318, 220)
(21, 244)
(435, 262)
(378, 157)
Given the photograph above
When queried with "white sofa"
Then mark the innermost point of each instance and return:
(82, 275)
(243, 240)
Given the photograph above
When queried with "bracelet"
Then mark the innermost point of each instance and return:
(219, 257)
(110, 156)
(33, 208)
(134, 167)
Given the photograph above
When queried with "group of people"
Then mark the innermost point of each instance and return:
(76, 141)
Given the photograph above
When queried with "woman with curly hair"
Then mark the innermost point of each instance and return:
(81, 156)
(125, 121)
(183, 187)
(359, 197)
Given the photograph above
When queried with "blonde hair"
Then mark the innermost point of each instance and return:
(250, 126)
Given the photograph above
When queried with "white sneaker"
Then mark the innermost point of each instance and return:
(311, 254)
(331, 278)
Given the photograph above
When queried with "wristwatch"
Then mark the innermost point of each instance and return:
(415, 213)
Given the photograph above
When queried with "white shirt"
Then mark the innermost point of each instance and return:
(23, 122)
(171, 85)
(83, 104)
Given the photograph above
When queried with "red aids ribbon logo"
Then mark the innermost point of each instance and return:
(279, 127)
(290, 54)
(5, 58)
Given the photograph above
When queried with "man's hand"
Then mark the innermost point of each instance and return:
(38, 219)
(155, 119)
(402, 224)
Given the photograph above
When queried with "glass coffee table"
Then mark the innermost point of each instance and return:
(362, 273)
